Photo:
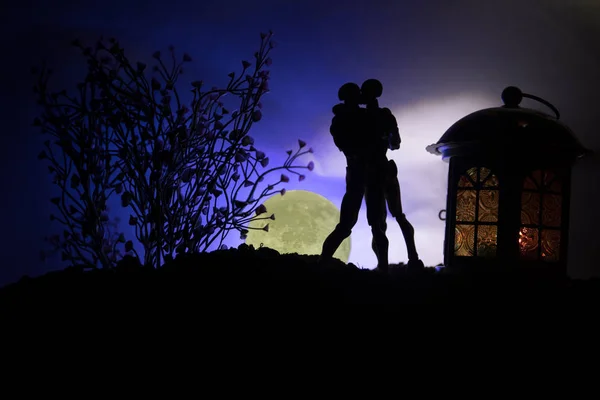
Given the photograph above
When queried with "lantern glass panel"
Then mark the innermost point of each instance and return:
(530, 208)
(487, 240)
(488, 205)
(541, 210)
(476, 230)
(551, 244)
(529, 242)
(551, 210)
(464, 182)
(464, 238)
(466, 202)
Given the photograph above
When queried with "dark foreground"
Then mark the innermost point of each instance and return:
(245, 277)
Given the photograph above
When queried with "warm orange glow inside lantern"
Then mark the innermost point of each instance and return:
(541, 208)
(508, 186)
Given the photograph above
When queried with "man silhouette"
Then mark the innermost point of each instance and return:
(384, 125)
(350, 131)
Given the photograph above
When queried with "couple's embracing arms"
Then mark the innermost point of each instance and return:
(351, 128)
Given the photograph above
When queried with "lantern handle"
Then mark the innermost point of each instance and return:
(544, 102)
(512, 96)
(440, 215)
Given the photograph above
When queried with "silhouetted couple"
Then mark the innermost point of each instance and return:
(364, 135)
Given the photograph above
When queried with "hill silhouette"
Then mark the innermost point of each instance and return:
(263, 276)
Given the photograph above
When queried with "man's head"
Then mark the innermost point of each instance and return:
(349, 93)
(371, 89)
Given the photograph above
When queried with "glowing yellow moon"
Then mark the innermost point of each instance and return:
(303, 220)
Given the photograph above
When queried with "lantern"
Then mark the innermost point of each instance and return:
(508, 186)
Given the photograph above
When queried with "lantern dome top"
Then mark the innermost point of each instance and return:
(510, 127)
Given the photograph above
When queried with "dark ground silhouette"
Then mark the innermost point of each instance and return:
(245, 276)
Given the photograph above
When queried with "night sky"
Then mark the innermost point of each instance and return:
(439, 60)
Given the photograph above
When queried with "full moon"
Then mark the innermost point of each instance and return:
(303, 220)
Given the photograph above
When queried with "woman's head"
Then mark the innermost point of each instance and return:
(371, 89)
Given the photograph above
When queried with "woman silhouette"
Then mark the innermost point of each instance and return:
(386, 128)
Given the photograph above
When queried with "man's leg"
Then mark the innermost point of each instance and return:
(373, 244)
(349, 211)
(376, 214)
(394, 201)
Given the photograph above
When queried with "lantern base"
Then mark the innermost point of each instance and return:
(477, 265)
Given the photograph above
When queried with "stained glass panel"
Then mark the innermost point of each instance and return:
(472, 172)
(483, 174)
(492, 181)
(551, 209)
(552, 182)
(488, 205)
(548, 177)
(465, 205)
(530, 208)
(464, 240)
(529, 184)
(537, 177)
(464, 182)
(556, 186)
(550, 244)
(528, 243)
(487, 240)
